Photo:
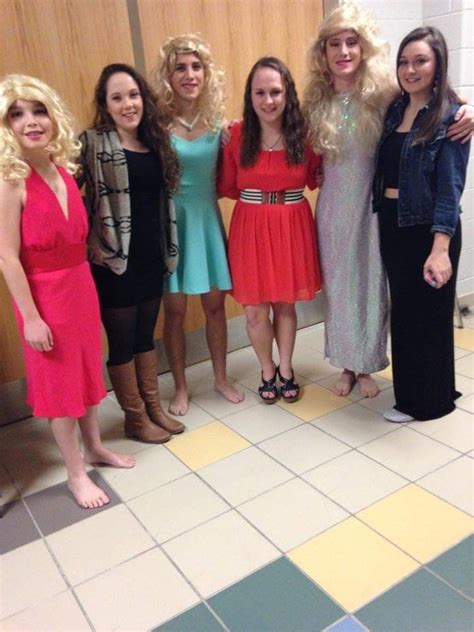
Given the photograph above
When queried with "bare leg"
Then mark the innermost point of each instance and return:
(216, 335)
(95, 452)
(284, 324)
(368, 387)
(84, 490)
(345, 383)
(260, 332)
(175, 344)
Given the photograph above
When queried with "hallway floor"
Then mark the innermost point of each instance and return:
(317, 515)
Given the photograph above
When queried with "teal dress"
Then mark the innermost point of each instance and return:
(202, 261)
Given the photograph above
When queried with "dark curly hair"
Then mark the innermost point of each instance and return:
(152, 131)
(293, 123)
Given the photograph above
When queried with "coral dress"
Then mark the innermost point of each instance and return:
(272, 247)
(202, 262)
(64, 381)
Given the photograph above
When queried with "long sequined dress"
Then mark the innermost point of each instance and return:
(354, 281)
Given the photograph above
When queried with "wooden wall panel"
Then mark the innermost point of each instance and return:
(67, 43)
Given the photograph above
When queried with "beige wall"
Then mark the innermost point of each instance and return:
(67, 42)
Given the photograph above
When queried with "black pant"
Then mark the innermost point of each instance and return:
(421, 318)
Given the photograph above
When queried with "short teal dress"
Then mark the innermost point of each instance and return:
(202, 263)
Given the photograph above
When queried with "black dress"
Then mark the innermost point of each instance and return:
(421, 316)
(143, 278)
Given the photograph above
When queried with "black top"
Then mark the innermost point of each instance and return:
(389, 159)
(143, 278)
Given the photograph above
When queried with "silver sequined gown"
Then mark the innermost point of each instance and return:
(353, 278)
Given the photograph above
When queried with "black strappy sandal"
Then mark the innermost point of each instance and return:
(269, 386)
(288, 384)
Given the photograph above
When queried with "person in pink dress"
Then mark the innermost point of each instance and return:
(272, 246)
(43, 230)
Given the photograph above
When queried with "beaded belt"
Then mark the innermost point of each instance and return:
(255, 196)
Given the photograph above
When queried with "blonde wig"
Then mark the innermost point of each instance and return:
(211, 99)
(374, 86)
(63, 147)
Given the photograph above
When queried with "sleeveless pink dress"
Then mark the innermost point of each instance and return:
(64, 381)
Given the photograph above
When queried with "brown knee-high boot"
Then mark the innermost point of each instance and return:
(147, 378)
(137, 423)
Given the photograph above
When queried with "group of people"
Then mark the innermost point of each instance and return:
(152, 174)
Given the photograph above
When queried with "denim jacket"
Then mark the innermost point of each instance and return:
(432, 175)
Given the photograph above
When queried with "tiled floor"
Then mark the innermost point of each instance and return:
(290, 518)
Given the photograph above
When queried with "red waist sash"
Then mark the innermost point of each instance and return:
(54, 259)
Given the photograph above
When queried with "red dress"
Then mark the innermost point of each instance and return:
(64, 381)
(272, 247)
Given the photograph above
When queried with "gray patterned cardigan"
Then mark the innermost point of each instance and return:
(105, 174)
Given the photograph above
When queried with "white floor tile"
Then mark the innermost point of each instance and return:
(29, 575)
(455, 430)
(154, 467)
(354, 481)
(177, 507)
(312, 365)
(261, 422)
(466, 403)
(303, 448)
(454, 483)
(137, 595)
(106, 539)
(220, 553)
(60, 613)
(354, 425)
(465, 366)
(292, 513)
(384, 401)
(244, 475)
(409, 453)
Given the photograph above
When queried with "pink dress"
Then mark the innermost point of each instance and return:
(64, 381)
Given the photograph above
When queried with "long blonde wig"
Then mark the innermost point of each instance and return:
(374, 86)
(211, 99)
(63, 147)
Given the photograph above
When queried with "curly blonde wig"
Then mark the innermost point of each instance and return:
(374, 85)
(63, 148)
(211, 100)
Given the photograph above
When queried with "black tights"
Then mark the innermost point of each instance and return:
(130, 330)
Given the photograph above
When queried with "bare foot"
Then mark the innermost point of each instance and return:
(104, 456)
(367, 384)
(345, 383)
(179, 405)
(86, 493)
(229, 392)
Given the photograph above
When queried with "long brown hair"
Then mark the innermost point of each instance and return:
(293, 124)
(152, 131)
(443, 94)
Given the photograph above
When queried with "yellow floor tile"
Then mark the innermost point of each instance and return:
(315, 401)
(352, 563)
(206, 445)
(387, 373)
(418, 522)
(464, 338)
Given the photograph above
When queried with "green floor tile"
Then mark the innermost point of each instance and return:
(277, 598)
(420, 603)
(456, 566)
(198, 619)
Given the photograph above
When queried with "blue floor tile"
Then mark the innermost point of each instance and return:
(277, 598)
(198, 619)
(348, 624)
(421, 603)
(456, 566)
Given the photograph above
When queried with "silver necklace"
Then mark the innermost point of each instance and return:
(271, 147)
(186, 125)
